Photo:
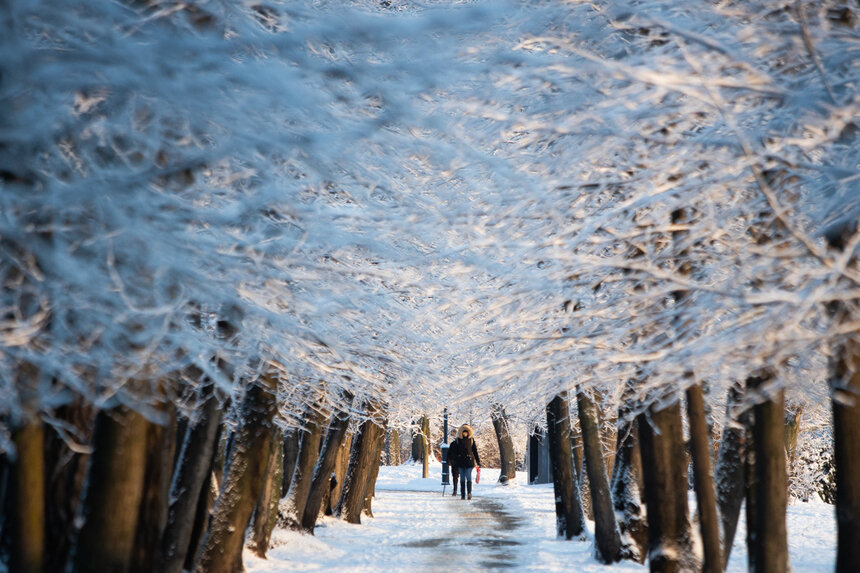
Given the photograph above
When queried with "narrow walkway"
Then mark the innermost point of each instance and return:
(418, 531)
(483, 536)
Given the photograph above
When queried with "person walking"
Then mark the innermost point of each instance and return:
(467, 459)
(452, 461)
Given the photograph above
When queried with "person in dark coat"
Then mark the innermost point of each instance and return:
(467, 459)
(452, 461)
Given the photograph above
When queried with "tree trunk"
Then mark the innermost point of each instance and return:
(334, 439)
(731, 463)
(68, 460)
(202, 515)
(193, 470)
(340, 466)
(506, 445)
(360, 468)
(374, 473)
(243, 479)
(291, 456)
(606, 535)
(392, 447)
(770, 542)
(845, 385)
(425, 447)
(417, 442)
(6, 502)
(309, 451)
(421, 444)
(661, 443)
(578, 458)
(844, 373)
(751, 507)
(266, 511)
(580, 472)
(27, 477)
(152, 518)
(700, 445)
(792, 431)
(114, 490)
(570, 520)
(28, 497)
(626, 479)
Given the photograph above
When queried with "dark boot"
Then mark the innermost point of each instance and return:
(469, 488)
(462, 489)
(455, 480)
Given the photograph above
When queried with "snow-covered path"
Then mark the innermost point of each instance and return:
(480, 534)
(411, 530)
(416, 528)
(509, 528)
(477, 534)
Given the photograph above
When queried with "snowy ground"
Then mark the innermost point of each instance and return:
(415, 528)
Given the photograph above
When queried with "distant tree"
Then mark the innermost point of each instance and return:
(570, 519)
(335, 436)
(363, 457)
(506, 444)
(606, 533)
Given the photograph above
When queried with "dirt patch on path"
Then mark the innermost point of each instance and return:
(484, 536)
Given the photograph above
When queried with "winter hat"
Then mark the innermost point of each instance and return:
(466, 428)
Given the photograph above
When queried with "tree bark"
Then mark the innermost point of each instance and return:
(425, 447)
(570, 521)
(606, 534)
(845, 385)
(28, 497)
(374, 473)
(152, 518)
(420, 444)
(626, 479)
(770, 541)
(291, 456)
(114, 490)
(662, 446)
(334, 438)
(202, 515)
(580, 472)
(845, 400)
(193, 469)
(221, 548)
(700, 445)
(67, 460)
(340, 466)
(266, 512)
(731, 463)
(5, 506)
(27, 474)
(359, 470)
(506, 445)
(751, 505)
(792, 431)
(417, 443)
(392, 447)
(309, 451)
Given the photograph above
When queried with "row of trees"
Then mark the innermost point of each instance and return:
(256, 217)
(197, 266)
(704, 245)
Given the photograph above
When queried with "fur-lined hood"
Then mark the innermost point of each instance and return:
(466, 428)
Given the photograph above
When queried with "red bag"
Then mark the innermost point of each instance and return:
(478, 476)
